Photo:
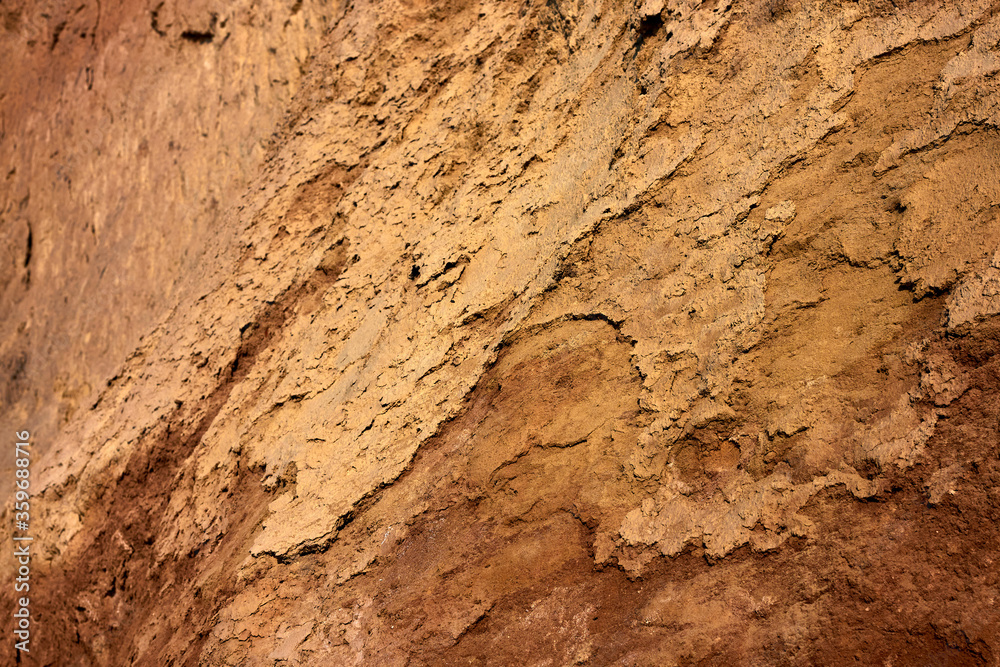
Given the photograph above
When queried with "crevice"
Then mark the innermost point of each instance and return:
(202, 36)
(30, 243)
(154, 20)
(56, 33)
(461, 261)
(198, 37)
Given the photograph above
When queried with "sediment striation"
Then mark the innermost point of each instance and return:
(429, 332)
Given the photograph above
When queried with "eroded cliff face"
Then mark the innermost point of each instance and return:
(564, 332)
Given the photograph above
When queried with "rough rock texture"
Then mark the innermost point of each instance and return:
(429, 332)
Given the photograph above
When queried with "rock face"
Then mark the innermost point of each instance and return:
(429, 332)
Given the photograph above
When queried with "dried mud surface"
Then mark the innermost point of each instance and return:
(416, 332)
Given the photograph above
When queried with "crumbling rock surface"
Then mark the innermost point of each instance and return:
(416, 332)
